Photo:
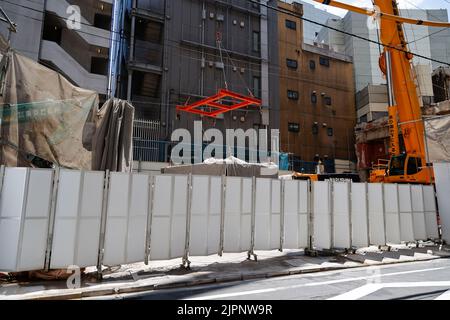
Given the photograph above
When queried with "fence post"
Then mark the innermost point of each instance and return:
(384, 214)
(331, 211)
(101, 242)
(310, 215)
(186, 262)
(51, 218)
(148, 235)
(367, 215)
(222, 214)
(251, 252)
(282, 204)
(350, 212)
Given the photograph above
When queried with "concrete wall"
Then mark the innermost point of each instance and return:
(29, 25)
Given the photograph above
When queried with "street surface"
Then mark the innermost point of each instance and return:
(428, 280)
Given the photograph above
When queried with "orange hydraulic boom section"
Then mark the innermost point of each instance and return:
(404, 108)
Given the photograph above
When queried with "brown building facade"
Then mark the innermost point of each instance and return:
(317, 104)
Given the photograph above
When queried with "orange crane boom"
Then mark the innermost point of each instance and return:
(404, 107)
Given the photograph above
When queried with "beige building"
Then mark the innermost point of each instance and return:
(317, 106)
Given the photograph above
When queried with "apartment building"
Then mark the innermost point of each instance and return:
(174, 58)
(317, 108)
(46, 33)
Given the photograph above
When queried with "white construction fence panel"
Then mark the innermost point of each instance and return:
(296, 214)
(442, 176)
(77, 219)
(238, 215)
(359, 209)
(419, 223)
(341, 215)
(267, 214)
(376, 214)
(24, 218)
(431, 223)
(126, 219)
(169, 217)
(406, 215)
(205, 215)
(392, 213)
(322, 215)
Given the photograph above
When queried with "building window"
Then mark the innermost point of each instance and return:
(293, 95)
(330, 132)
(294, 127)
(315, 129)
(256, 41)
(328, 101)
(293, 64)
(324, 62)
(291, 24)
(99, 66)
(313, 98)
(102, 21)
(257, 87)
(312, 64)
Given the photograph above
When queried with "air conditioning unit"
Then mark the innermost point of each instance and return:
(219, 65)
(203, 63)
(220, 17)
(211, 15)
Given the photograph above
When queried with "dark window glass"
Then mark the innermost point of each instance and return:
(330, 132)
(102, 21)
(315, 129)
(414, 165)
(257, 87)
(291, 24)
(293, 95)
(312, 64)
(324, 61)
(397, 166)
(328, 101)
(256, 43)
(294, 127)
(313, 98)
(99, 66)
(293, 64)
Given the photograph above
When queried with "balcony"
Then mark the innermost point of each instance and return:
(92, 35)
(52, 52)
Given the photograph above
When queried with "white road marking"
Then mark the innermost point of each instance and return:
(367, 289)
(312, 284)
(444, 296)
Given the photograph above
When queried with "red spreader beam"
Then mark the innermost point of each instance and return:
(213, 106)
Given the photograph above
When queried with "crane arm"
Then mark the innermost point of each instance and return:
(387, 16)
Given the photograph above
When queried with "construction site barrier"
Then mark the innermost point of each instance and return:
(359, 215)
(406, 216)
(76, 214)
(53, 219)
(392, 213)
(442, 176)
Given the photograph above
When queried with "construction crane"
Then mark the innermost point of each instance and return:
(404, 110)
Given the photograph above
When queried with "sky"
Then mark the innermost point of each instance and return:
(411, 4)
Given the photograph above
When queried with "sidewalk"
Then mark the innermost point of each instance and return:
(212, 269)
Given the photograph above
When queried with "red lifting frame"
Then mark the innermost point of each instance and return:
(216, 108)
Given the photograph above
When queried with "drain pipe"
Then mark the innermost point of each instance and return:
(115, 44)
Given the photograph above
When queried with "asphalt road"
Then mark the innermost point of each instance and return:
(420, 280)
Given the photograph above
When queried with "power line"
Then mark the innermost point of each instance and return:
(281, 10)
(293, 14)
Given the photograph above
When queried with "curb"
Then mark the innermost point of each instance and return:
(79, 294)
